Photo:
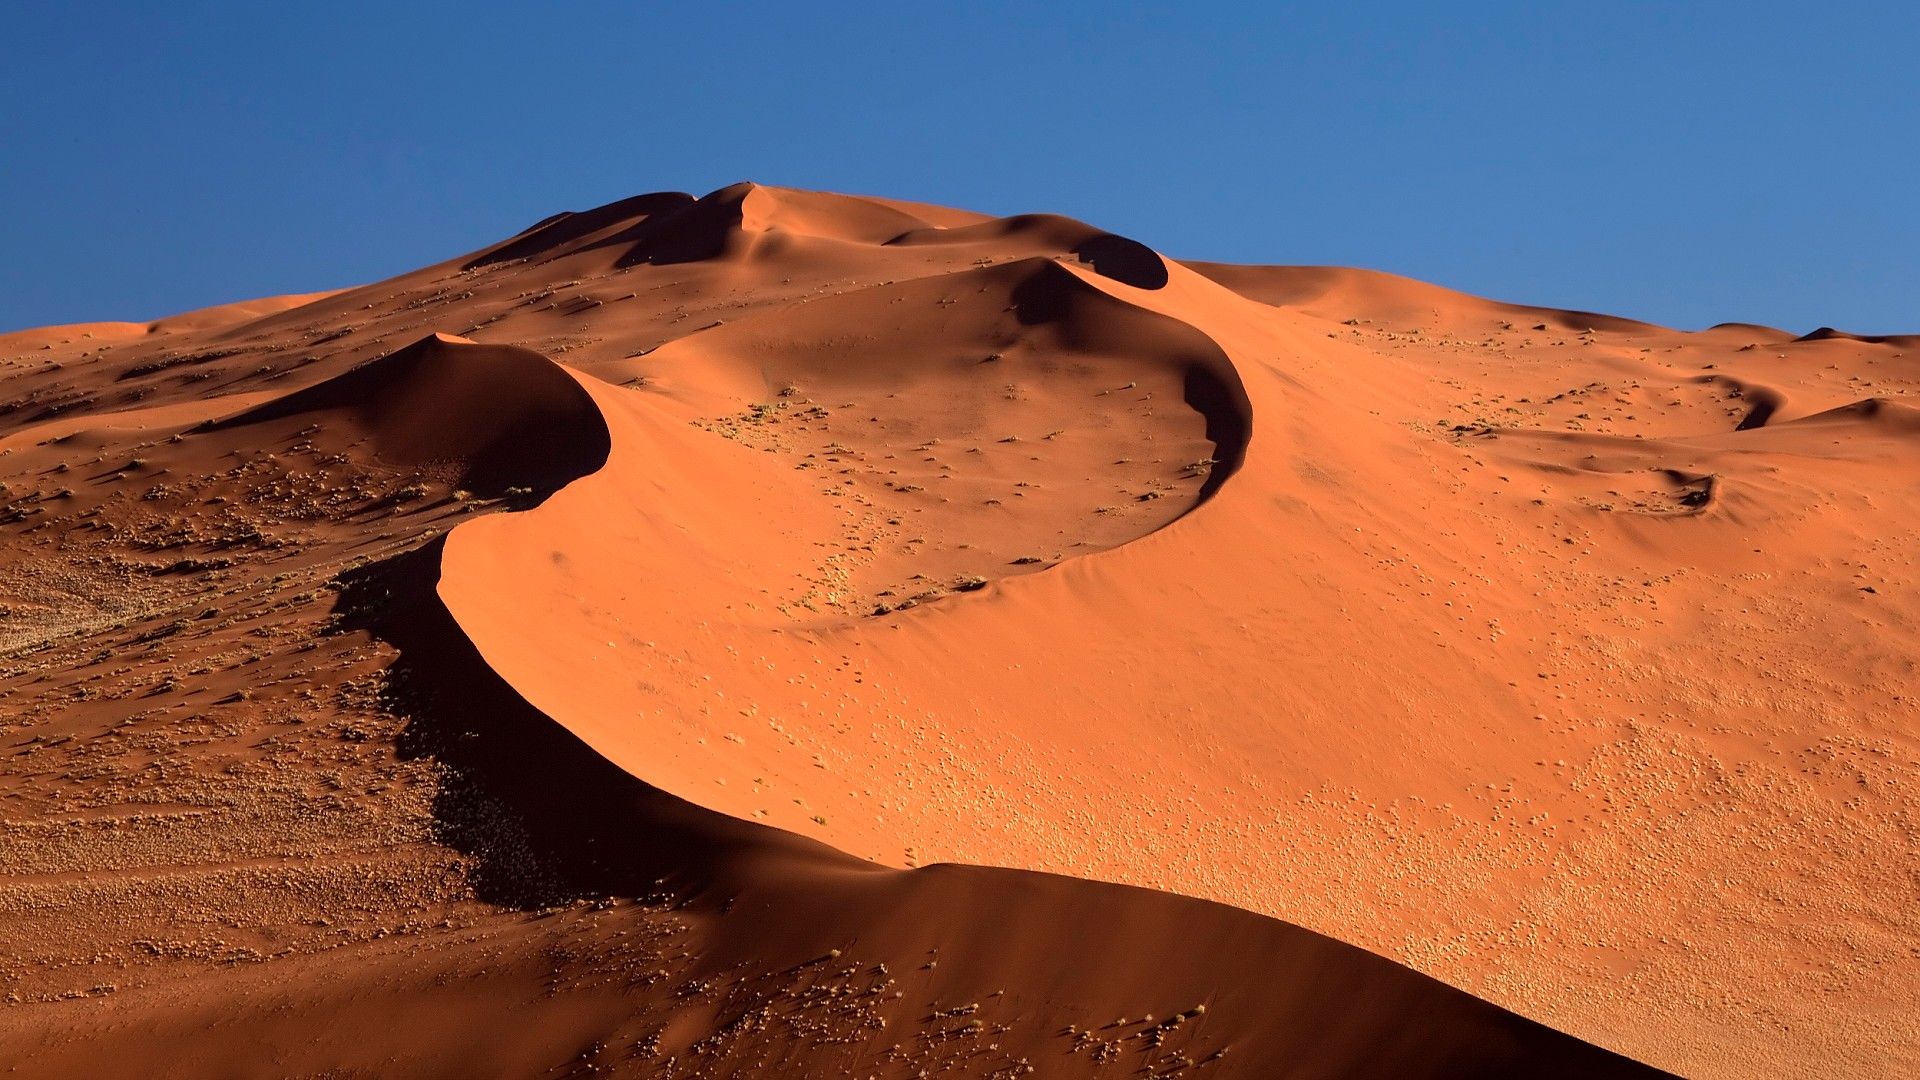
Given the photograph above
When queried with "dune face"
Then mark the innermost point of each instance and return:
(783, 633)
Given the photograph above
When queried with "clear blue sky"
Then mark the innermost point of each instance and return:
(1686, 163)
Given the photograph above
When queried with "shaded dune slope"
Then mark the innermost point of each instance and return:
(503, 417)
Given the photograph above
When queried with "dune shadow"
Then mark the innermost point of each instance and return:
(1215, 392)
(543, 818)
(1129, 262)
(568, 233)
(1210, 383)
(510, 416)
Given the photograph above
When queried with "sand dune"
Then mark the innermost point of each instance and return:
(754, 952)
(201, 321)
(780, 632)
(506, 417)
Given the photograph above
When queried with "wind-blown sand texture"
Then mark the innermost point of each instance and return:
(783, 633)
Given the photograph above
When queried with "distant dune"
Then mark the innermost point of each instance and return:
(783, 633)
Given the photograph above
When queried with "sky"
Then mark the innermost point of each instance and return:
(1683, 163)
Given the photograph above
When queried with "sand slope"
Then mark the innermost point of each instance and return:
(1564, 658)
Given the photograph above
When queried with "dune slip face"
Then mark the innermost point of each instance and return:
(785, 633)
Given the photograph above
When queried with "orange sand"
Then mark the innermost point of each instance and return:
(1563, 658)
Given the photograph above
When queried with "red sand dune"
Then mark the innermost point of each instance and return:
(669, 641)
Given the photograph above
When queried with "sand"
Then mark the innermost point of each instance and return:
(783, 633)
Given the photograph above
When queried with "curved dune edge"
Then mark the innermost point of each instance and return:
(635, 607)
(593, 605)
(1277, 993)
